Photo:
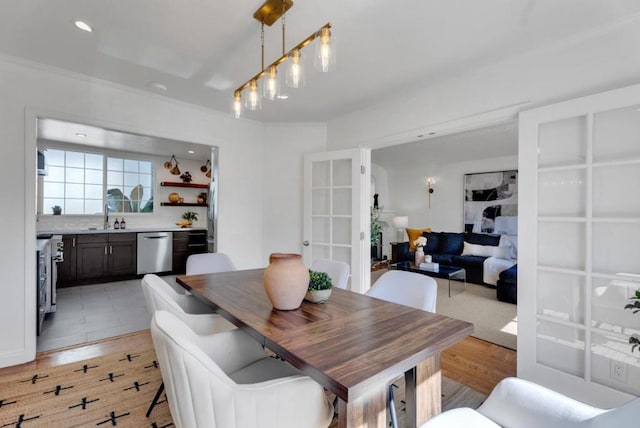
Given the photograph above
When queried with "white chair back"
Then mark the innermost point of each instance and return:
(337, 271)
(160, 296)
(209, 263)
(406, 288)
(198, 374)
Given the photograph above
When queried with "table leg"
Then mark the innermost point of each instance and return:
(423, 392)
(369, 411)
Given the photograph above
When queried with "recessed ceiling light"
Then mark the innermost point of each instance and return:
(81, 134)
(190, 152)
(157, 86)
(83, 26)
(432, 133)
(420, 135)
(282, 97)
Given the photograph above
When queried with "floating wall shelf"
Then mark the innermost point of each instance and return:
(180, 184)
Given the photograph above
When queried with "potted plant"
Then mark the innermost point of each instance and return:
(189, 217)
(319, 287)
(634, 339)
(57, 209)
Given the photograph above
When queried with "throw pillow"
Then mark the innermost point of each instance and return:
(451, 243)
(433, 242)
(414, 234)
(485, 251)
(510, 241)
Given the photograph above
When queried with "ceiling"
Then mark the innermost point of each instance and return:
(94, 136)
(483, 143)
(202, 50)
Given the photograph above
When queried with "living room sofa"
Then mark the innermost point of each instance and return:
(447, 248)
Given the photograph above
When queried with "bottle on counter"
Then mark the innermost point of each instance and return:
(116, 224)
(123, 224)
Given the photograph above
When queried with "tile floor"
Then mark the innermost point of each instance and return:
(93, 312)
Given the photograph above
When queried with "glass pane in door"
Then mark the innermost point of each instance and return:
(342, 172)
(563, 142)
(615, 190)
(560, 347)
(616, 134)
(320, 173)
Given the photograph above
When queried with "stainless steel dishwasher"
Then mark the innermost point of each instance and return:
(155, 252)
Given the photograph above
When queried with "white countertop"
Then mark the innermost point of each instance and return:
(132, 230)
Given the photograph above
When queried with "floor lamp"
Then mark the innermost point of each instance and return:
(400, 223)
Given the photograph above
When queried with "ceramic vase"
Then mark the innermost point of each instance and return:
(286, 281)
(419, 256)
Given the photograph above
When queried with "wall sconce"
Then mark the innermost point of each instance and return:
(430, 189)
(400, 223)
(172, 166)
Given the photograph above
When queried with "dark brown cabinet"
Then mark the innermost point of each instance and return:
(186, 244)
(67, 268)
(105, 255)
(91, 257)
(122, 254)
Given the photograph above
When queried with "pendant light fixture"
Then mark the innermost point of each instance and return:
(271, 83)
(295, 69)
(269, 77)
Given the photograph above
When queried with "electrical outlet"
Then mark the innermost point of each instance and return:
(618, 371)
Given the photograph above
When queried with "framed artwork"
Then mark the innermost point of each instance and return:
(491, 202)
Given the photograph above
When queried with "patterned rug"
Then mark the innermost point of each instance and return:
(116, 390)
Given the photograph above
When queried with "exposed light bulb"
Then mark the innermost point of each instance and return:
(295, 70)
(237, 105)
(271, 84)
(84, 26)
(253, 100)
(325, 58)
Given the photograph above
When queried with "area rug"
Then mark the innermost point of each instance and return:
(116, 390)
(493, 320)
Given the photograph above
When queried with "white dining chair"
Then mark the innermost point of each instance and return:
(337, 271)
(409, 289)
(518, 403)
(160, 295)
(227, 380)
(406, 288)
(209, 263)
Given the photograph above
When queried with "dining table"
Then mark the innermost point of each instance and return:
(352, 344)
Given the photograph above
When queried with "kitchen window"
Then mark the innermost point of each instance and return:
(83, 183)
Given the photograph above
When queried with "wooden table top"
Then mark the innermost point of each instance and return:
(348, 344)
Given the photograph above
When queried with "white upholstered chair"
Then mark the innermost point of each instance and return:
(409, 289)
(160, 295)
(337, 271)
(226, 380)
(209, 263)
(406, 288)
(517, 403)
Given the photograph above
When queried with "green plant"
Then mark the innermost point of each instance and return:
(190, 216)
(376, 225)
(634, 340)
(319, 281)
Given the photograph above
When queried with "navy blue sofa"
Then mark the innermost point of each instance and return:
(507, 285)
(446, 248)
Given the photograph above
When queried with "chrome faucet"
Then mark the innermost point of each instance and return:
(106, 217)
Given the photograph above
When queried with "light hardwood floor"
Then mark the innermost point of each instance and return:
(472, 362)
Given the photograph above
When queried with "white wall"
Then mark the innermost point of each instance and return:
(284, 149)
(28, 90)
(567, 69)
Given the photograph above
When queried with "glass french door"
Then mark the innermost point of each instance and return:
(579, 259)
(336, 220)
